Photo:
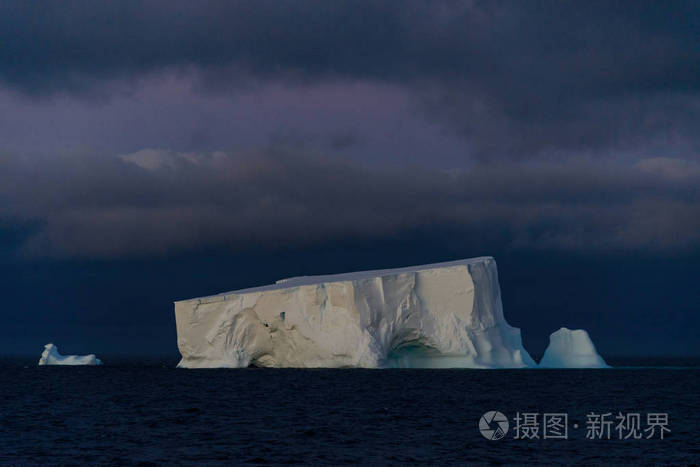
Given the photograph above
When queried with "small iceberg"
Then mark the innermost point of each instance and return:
(50, 356)
(571, 349)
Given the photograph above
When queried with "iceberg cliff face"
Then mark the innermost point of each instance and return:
(571, 349)
(50, 356)
(432, 316)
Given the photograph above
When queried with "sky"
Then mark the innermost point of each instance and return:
(154, 151)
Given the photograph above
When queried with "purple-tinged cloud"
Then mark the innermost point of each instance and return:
(162, 202)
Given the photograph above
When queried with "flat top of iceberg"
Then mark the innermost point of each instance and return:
(347, 276)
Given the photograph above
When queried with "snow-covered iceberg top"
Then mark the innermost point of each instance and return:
(571, 349)
(435, 315)
(50, 356)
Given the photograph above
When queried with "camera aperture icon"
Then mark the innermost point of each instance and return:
(493, 425)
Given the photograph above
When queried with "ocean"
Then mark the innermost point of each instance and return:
(147, 412)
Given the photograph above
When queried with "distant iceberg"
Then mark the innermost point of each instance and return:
(50, 356)
(571, 349)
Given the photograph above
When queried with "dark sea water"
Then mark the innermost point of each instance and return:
(152, 413)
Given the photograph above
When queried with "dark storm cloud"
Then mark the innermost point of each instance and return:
(596, 46)
(552, 84)
(515, 78)
(156, 201)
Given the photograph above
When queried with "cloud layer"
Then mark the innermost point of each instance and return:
(140, 128)
(515, 79)
(155, 201)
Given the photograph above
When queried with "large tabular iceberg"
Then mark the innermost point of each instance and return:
(432, 316)
(571, 349)
(50, 356)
